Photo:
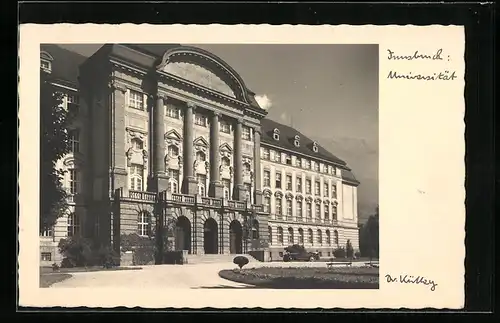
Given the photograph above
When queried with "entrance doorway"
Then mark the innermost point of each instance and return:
(183, 234)
(210, 240)
(235, 237)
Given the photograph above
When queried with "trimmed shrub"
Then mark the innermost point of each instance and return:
(107, 257)
(357, 254)
(77, 252)
(240, 261)
(339, 252)
(143, 248)
(55, 267)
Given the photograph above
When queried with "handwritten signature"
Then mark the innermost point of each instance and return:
(417, 280)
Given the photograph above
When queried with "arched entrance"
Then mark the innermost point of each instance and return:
(210, 236)
(235, 237)
(183, 234)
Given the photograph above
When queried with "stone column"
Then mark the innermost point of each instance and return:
(160, 179)
(189, 183)
(239, 189)
(256, 166)
(216, 188)
(117, 136)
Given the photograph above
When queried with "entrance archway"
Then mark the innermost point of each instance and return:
(183, 234)
(235, 237)
(210, 240)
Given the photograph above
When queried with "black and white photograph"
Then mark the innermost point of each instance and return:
(209, 166)
(190, 166)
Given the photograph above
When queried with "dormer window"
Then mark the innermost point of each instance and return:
(296, 141)
(276, 134)
(315, 147)
(46, 62)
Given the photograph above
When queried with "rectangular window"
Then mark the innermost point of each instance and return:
(227, 188)
(279, 206)
(289, 208)
(73, 98)
(73, 181)
(202, 180)
(74, 140)
(278, 180)
(327, 212)
(277, 157)
(326, 190)
(317, 210)
(45, 65)
(289, 182)
(225, 127)
(316, 166)
(267, 178)
(317, 188)
(297, 162)
(136, 100)
(200, 120)
(136, 173)
(298, 208)
(288, 159)
(172, 112)
(174, 180)
(46, 256)
(308, 186)
(299, 184)
(334, 191)
(309, 211)
(267, 204)
(246, 133)
(265, 154)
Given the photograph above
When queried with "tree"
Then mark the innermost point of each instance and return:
(54, 119)
(369, 236)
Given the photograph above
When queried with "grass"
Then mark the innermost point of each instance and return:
(306, 278)
(47, 280)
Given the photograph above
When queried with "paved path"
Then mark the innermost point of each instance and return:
(170, 276)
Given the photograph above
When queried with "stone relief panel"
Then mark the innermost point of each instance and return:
(199, 75)
(173, 150)
(136, 148)
(136, 122)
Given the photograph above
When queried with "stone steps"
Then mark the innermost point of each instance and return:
(204, 259)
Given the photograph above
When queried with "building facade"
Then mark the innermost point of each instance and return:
(172, 133)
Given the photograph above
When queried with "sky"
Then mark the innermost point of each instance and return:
(329, 92)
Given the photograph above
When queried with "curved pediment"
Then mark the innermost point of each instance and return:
(72, 161)
(205, 69)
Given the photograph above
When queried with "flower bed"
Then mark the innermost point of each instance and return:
(305, 278)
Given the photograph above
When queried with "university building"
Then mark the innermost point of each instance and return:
(173, 130)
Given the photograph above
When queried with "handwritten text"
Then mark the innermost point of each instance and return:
(408, 279)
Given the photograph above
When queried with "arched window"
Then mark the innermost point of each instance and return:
(173, 151)
(225, 162)
(309, 212)
(310, 236)
(135, 175)
(246, 167)
(327, 213)
(328, 238)
(255, 229)
(200, 156)
(270, 233)
(290, 236)
(280, 235)
(336, 237)
(137, 144)
(267, 204)
(276, 134)
(143, 224)
(73, 225)
(301, 236)
(319, 237)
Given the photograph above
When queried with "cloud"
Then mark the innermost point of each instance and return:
(264, 101)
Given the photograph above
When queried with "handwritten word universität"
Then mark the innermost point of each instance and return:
(437, 76)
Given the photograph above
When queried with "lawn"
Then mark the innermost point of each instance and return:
(46, 280)
(306, 278)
